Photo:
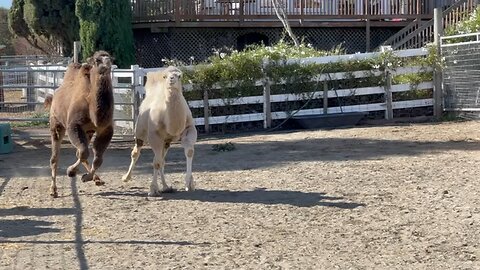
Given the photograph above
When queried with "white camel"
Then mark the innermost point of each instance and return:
(164, 117)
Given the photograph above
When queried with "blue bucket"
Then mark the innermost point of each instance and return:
(6, 143)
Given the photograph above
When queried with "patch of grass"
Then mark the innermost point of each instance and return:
(448, 117)
(41, 122)
(223, 147)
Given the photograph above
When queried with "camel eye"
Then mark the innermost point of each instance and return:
(164, 76)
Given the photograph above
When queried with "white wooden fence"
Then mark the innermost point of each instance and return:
(266, 99)
(129, 87)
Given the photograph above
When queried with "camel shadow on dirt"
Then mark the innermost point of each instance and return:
(25, 227)
(257, 196)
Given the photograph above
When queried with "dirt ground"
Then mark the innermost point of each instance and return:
(370, 197)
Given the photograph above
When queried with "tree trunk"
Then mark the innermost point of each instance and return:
(282, 16)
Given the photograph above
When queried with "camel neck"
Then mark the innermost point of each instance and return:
(102, 100)
(173, 95)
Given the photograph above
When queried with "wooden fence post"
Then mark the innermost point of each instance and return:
(135, 95)
(437, 78)
(76, 51)
(388, 87)
(367, 26)
(206, 111)
(388, 95)
(30, 91)
(2, 97)
(267, 109)
(325, 97)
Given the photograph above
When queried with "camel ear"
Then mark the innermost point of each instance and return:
(90, 60)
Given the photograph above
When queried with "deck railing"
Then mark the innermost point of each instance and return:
(257, 10)
(418, 33)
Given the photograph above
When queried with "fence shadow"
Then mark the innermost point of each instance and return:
(247, 155)
(257, 196)
(254, 155)
(79, 242)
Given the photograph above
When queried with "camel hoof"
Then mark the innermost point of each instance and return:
(72, 172)
(87, 177)
(54, 194)
(168, 190)
(189, 184)
(98, 182)
(154, 193)
(126, 178)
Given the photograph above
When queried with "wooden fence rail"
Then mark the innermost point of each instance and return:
(129, 87)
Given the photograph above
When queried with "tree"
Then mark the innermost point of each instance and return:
(279, 8)
(5, 36)
(53, 21)
(106, 25)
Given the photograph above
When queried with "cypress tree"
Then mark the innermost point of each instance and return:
(54, 20)
(106, 25)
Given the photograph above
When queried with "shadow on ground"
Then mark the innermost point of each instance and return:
(25, 227)
(261, 154)
(257, 196)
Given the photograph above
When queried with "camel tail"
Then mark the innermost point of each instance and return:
(48, 101)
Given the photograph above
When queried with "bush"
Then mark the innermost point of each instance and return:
(234, 74)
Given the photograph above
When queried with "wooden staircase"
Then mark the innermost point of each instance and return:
(420, 32)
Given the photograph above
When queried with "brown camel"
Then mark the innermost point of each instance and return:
(83, 106)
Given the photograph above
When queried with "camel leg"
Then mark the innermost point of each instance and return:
(79, 139)
(100, 144)
(85, 162)
(158, 147)
(189, 137)
(135, 155)
(141, 127)
(57, 134)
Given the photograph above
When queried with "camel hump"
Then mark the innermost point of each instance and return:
(85, 69)
(155, 76)
(48, 101)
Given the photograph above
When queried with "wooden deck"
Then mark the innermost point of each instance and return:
(260, 13)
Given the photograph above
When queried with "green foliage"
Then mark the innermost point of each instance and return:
(471, 25)
(233, 75)
(106, 25)
(16, 23)
(223, 147)
(55, 20)
(39, 119)
(5, 36)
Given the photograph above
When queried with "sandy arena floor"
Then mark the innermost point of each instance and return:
(389, 197)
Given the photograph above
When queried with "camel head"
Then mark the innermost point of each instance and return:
(173, 77)
(102, 61)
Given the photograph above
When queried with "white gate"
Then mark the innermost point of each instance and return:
(461, 74)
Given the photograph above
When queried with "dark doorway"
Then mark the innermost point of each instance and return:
(251, 38)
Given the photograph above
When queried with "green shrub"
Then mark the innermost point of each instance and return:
(235, 73)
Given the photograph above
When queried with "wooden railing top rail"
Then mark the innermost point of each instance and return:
(241, 10)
